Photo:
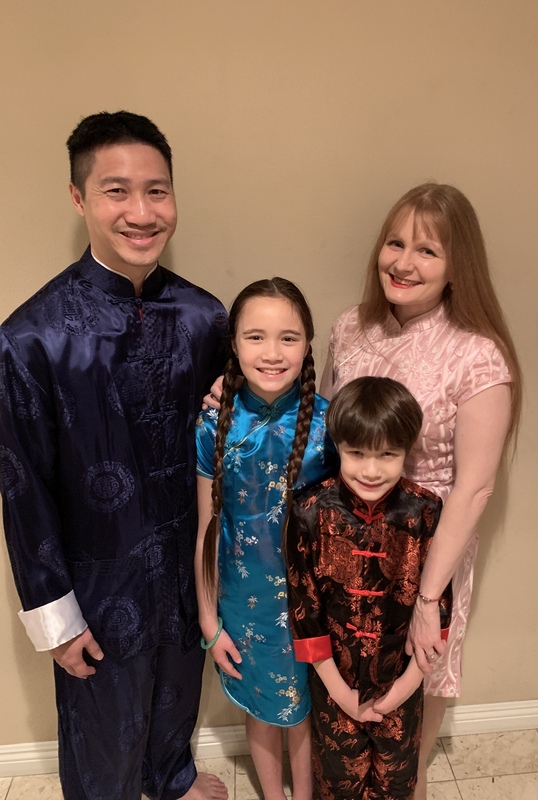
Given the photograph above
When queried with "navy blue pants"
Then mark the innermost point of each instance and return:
(126, 729)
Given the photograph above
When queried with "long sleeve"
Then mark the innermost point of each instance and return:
(307, 619)
(28, 448)
(100, 392)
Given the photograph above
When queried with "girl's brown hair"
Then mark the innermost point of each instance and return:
(444, 213)
(372, 413)
(276, 288)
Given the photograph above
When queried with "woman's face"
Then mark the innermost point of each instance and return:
(412, 270)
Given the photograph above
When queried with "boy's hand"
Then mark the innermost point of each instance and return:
(401, 690)
(363, 712)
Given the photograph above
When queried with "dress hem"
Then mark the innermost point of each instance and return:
(254, 716)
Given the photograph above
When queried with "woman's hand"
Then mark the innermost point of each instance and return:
(225, 652)
(424, 636)
(481, 426)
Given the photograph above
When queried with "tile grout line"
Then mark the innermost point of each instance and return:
(450, 765)
(235, 777)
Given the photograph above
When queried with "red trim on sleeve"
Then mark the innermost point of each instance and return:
(444, 634)
(316, 649)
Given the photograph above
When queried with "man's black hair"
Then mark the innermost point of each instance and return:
(104, 129)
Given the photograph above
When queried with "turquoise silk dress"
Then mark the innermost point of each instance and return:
(253, 600)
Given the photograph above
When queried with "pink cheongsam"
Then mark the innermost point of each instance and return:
(443, 367)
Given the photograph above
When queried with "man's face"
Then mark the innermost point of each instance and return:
(129, 207)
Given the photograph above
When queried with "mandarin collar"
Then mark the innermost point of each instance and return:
(421, 323)
(362, 508)
(254, 403)
(119, 285)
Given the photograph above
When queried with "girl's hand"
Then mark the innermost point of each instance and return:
(361, 713)
(222, 651)
(212, 400)
(424, 636)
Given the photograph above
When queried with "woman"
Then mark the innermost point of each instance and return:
(430, 319)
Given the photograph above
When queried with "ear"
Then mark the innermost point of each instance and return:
(306, 349)
(77, 199)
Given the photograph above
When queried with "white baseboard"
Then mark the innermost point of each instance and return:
(37, 758)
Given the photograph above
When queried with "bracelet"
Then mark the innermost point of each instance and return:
(428, 599)
(207, 645)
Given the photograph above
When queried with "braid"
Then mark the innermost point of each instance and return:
(302, 431)
(229, 387)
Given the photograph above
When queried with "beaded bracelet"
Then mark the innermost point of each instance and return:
(207, 645)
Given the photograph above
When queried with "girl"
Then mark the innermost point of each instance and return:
(268, 432)
(355, 549)
(430, 319)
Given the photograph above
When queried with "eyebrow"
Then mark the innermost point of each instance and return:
(423, 239)
(261, 330)
(123, 179)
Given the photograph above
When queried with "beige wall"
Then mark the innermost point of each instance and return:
(295, 124)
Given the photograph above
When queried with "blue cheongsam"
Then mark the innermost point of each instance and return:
(253, 601)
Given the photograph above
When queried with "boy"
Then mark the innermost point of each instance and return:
(356, 545)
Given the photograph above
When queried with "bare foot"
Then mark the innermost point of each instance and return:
(207, 787)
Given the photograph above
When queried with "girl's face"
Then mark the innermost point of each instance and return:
(412, 269)
(270, 343)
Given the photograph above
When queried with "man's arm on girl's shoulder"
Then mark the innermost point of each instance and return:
(212, 400)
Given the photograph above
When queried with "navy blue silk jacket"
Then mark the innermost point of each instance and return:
(99, 393)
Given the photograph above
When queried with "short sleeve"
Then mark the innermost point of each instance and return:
(206, 429)
(486, 367)
(344, 329)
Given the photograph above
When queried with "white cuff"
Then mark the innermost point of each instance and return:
(55, 623)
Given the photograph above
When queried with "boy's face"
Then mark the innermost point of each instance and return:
(370, 474)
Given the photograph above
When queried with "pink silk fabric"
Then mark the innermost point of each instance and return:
(443, 367)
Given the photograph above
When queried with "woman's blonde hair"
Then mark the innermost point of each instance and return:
(445, 214)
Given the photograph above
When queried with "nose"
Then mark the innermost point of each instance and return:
(271, 351)
(140, 211)
(370, 470)
(404, 262)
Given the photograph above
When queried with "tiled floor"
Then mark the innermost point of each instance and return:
(501, 766)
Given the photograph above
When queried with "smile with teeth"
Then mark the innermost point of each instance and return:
(139, 236)
(402, 281)
(267, 371)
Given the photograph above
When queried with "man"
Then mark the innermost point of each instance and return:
(102, 375)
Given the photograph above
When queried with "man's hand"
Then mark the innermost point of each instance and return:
(70, 654)
(212, 400)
